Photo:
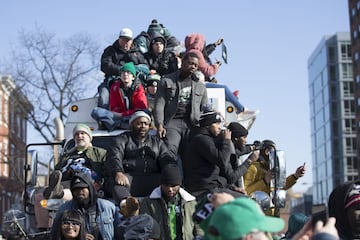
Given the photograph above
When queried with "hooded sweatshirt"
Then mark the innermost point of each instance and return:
(195, 43)
(165, 62)
(101, 216)
(336, 205)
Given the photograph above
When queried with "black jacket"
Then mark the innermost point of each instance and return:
(141, 161)
(113, 58)
(203, 163)
(165, 62)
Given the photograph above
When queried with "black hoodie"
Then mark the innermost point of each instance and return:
(84, 177)
(337, 201)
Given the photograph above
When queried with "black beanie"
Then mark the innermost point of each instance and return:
(209, 118)
(237, 130)
(158, 39)
(170, 174)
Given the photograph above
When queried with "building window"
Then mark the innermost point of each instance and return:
(23, 128)
(350, 145)
(345, 51)
(357, 78)
(332, 55)
(350, 126)
(12, 121)
(6, 110)
(332, 73)
(355, 34)
(358, 5)
(1, 108)
(6, 157)
(347, 71)
(12, 158)
(351, 164)
(353, 12)
(18, 124)
(348, 107)
(348, 89)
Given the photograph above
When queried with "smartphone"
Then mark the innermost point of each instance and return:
(319, 213)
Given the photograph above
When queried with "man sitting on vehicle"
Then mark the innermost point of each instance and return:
(126, 96)
(82, 158)
(135, 159)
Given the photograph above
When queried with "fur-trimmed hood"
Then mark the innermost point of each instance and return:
(156, 193)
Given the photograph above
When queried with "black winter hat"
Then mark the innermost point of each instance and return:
(237, 130)
(170, 174)
(209, 118)
(80, 180)
(158, 39)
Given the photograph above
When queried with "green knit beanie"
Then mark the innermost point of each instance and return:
(128, 67)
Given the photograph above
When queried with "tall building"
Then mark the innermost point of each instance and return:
(354, 15)
(14, 110)
(332, 115)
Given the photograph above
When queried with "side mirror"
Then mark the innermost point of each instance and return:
(280, 199)
(262, 198)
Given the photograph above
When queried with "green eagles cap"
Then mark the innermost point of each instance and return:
(238, 218)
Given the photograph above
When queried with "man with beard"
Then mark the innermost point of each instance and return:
(82, 158)
(172, 207)
(180, 98)
(258, 176)
(101, 216)
(135, 159)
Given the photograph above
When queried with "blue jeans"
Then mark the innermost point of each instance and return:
(229, 96)
(109, 119)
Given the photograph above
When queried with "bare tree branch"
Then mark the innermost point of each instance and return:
(52, 73)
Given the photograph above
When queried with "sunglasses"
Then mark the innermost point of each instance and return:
(68, 223)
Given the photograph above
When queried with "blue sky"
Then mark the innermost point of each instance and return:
(268, 45)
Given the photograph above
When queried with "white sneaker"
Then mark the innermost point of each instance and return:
(247, 118)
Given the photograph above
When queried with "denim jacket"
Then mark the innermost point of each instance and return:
(108, 217)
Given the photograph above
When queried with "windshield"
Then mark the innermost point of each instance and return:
(98, 141)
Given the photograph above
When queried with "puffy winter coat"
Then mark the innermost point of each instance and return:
(195, 43)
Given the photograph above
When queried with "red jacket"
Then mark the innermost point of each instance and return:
(117, 102)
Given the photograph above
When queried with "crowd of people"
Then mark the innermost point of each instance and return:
(129, 66)
(190, 179)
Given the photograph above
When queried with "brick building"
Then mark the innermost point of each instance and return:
(14, 109)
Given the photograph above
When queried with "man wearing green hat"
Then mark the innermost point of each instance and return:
(241, 218)
(126, 96)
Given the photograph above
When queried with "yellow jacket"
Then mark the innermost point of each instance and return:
(254, 180)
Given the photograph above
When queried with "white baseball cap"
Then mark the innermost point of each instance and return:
(126, 33)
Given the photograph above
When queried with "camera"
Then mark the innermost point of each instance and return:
(319, 213)
(257, 145)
